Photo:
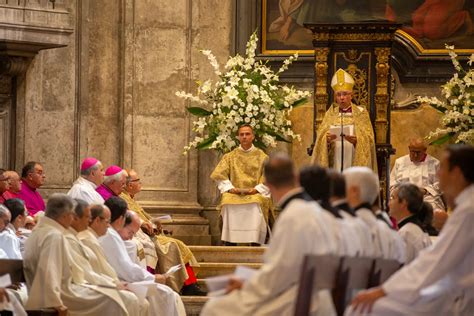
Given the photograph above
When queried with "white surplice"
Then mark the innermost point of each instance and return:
(47, 266)
(386, 242)
(431, 283)
(83, 257)
(415, 240)
(165, 301)
(10, 243)
(85, 190)
(440, 281)
(298, 231)
(423, 174)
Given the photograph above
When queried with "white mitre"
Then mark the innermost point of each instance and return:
(342, 81)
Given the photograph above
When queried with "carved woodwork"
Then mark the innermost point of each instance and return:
(364, 51)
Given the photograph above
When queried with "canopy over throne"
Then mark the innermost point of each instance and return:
(363, 50)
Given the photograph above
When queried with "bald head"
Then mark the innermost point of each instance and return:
(133, 184)
(417, 148)
(131, 227)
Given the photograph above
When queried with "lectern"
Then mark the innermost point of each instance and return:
(362, 49)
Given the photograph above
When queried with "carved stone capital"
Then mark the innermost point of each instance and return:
(12, 65)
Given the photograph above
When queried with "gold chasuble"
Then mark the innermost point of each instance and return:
(245, 170)
(170, 251)
(364, 150)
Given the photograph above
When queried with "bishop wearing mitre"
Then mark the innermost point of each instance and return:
(357, 132)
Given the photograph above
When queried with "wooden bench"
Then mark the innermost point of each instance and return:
(15, 269)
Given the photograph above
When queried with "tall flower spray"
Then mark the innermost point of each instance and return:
(247, 92)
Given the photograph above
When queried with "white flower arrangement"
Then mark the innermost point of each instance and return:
(458, 109)
(247, 92)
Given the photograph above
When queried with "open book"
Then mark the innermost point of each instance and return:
(347, 130)
(217, 285)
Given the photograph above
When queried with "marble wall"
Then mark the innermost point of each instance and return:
(110, 94)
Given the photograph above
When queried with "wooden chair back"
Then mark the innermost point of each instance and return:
(14, 268)
(318, 272)
(383, 269)
(354, 274)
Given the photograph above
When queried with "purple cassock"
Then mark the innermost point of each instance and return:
(33, 201)
(105, 192)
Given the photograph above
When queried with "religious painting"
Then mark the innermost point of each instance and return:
(427, 25)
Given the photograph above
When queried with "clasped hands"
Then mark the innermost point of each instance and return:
(243, 191)
(350, 138)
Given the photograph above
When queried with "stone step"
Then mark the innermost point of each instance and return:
(194, 239)
(187, 229)
(194, 304)
(209, 269)
(226, 254)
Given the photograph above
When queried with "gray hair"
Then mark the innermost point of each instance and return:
(88, 171)
(115, 177)
(412, 195)
(366, 180)
(81, 205)
(4, 211)
(59, 204)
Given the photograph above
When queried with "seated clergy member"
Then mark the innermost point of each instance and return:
(84, 188)
(114, 182)
(142, 240)
(82, 264)
(420, 169)
(359, 144)
(51, 280)
(17, 223)
(245, 201)
(32, 178)
(4, 184)
(162, 302)
(440, 280)
(9, 242)
(362, 187)
(170, 251)
(14, 187)
(273, 288)
(98, 225)
(362, 243)
(408, 208)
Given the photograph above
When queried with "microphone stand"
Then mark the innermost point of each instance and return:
(342, 142)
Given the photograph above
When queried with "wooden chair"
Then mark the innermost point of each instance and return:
(354, 274)
(15, 269)
(383, 269)
(318, 272)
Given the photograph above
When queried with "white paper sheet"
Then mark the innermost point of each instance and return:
(173, 269)
(336, 130)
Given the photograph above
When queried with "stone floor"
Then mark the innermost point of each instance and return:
(219, 260)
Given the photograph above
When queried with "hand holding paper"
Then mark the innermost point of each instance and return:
(173, 269)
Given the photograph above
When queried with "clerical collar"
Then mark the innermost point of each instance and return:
(248, 150)
(346, 110)
(296, 193)
(409, 219)
(363, 205)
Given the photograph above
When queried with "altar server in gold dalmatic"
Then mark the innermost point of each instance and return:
(245, 199)
(359, 145)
